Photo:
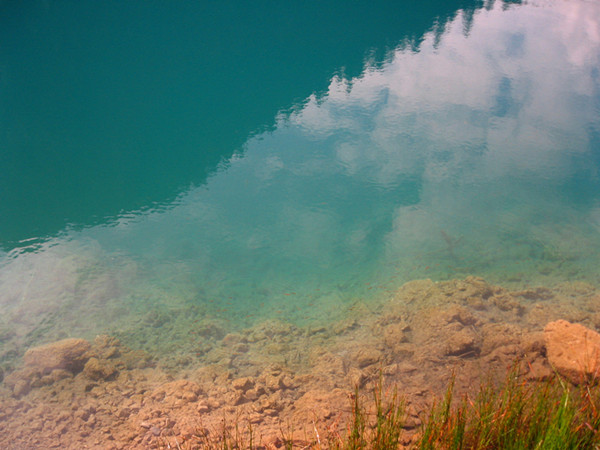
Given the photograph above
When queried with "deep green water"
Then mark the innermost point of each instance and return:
(284, 160)
(109, 107)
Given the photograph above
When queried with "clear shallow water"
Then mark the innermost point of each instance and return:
(473, 151)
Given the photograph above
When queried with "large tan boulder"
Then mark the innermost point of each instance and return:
(573, 350)
(68, 354)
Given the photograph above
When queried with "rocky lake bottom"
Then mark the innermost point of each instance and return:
(282, 379)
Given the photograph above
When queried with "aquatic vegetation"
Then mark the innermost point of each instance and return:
(520, 413)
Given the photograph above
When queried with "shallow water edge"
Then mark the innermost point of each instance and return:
(102, 394)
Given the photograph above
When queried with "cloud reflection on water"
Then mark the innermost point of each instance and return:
(459, 158)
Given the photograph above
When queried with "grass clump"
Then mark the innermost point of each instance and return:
(518, 415)
(230, 436)
(378, 427)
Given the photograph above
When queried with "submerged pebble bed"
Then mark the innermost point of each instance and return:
(110, 396)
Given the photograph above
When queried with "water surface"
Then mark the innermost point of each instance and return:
(471, 147)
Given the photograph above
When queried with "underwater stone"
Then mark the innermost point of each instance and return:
(21, 388)
(462, 343)
(395, 334)
(98, 370)
(573, 350)
(231, 339)
(367, 356)
(243, 384)
(177, 392)
(68, 354)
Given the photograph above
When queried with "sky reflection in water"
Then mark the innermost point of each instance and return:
(477, 154)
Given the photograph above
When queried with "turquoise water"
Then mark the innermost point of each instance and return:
(243, 163)
(107, 108)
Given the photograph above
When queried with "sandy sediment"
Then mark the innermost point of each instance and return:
(280, 377)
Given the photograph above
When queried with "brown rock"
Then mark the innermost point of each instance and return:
(573, 350)
(68, 354)
(231, 339)
(538, 369)
(243, 384)
(60, 374)
(21, 388)
(98, 370)
(272, 382)
(357, 378)
(107, 346)
(395, 334)
(202, 407)
(463, 343)
(367, 356)
(458, 314)
(253, 394)
(184, 390)
(321, 404)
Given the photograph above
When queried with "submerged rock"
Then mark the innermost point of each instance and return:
(573, 350)
(68, 354)
(462, 343)
(96, 369)
(47, 364)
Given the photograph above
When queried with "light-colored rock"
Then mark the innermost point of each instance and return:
(21, 388)
(68, 354)
(243, 384)
(367, 356)
(321, 403)
(462, 343)
(183, 390)
(395, 333)
(573, 350)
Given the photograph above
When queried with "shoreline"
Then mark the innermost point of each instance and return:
(276, 373)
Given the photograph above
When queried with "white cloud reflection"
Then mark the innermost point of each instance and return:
(468, 139)
(518, 88)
